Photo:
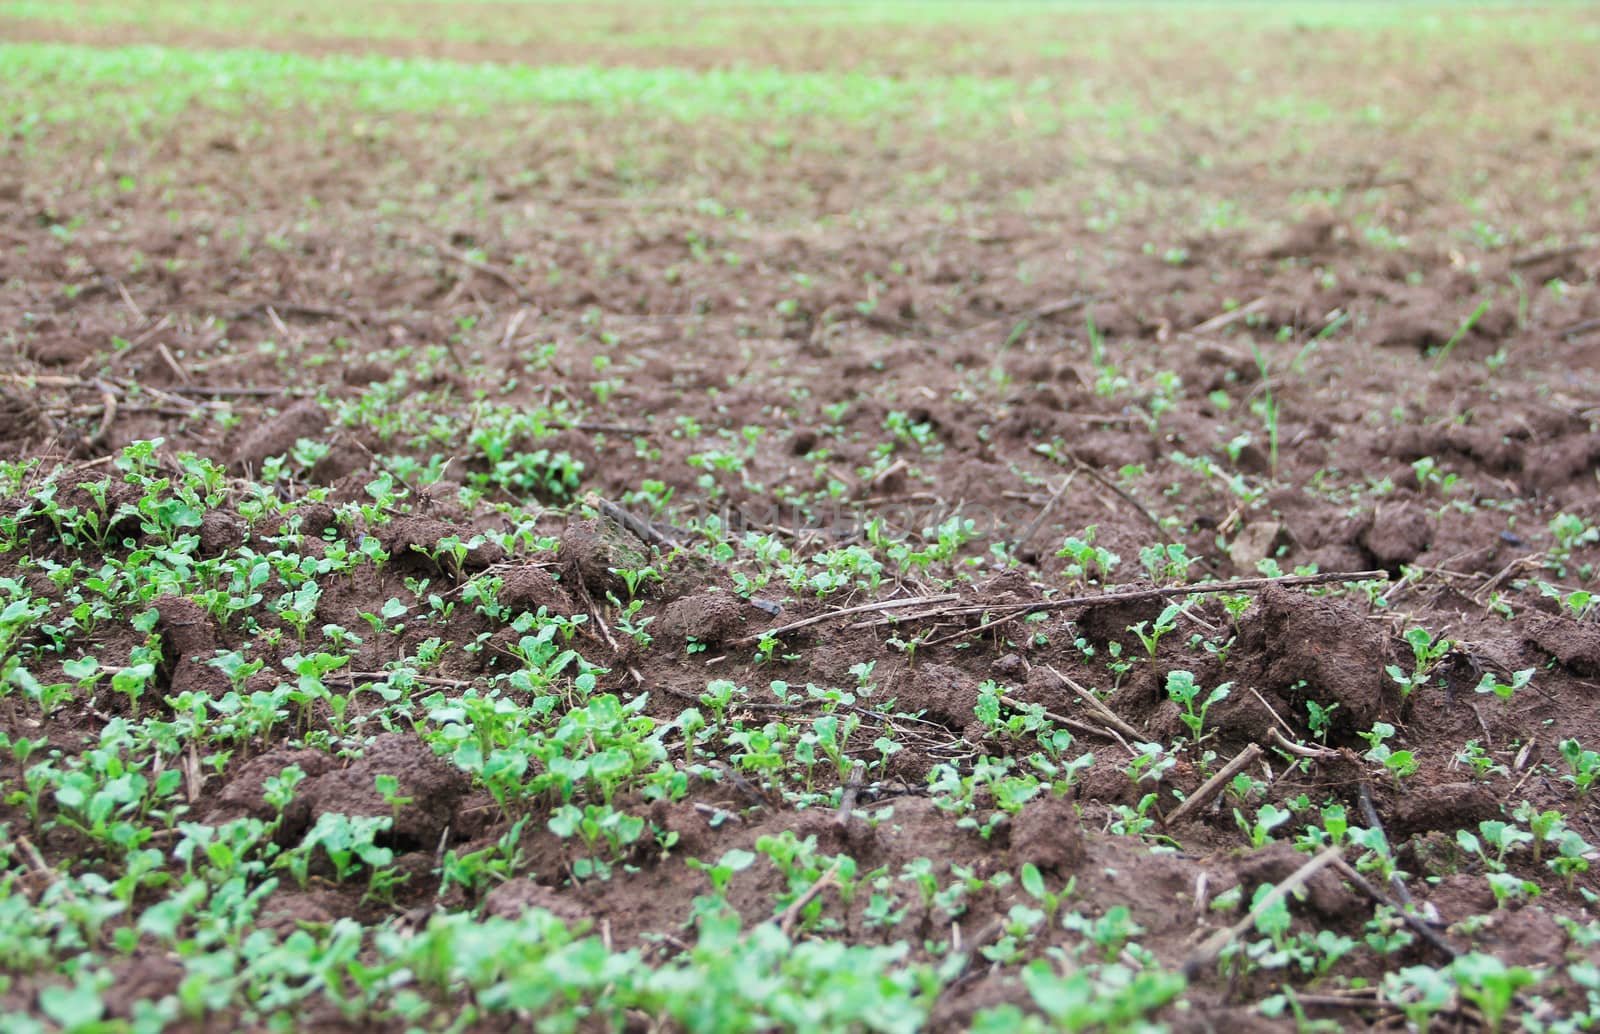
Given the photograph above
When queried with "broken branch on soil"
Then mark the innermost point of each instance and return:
(1534, 258)
(1216, 323)
(1301, 749)
(643, 530)
(307, 309)
(605, 629)
(1044, 511)
(610, 428)
(1273, 711)
(487, 269)
(172, 363)
(221, 391)
(1095, 704)
(1108, 599)
(1369, 812)
(1071, 723)
(1055, 308)
(425, 680)
(108, 402)
(865, 608)
(1406, 914)
(1579, 328)
(786, 921)
(38, 864)
(1212, 947)
(1213, 786)
(852, 788)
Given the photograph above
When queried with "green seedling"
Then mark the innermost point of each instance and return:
(1544, 826)
(1483, 765)
(1033, 883)
(1087, 563)
(1103, 997)
(1320, 719)
(1583, 766)
(1109, 934)
(1426, 654)
(1577, 604)
(1399, 763)
(1428, 476)
(1266, 407)
(1167, 564)
(1164, 623)
(1490, 683)
(1421, 992)
(1572, 858)
(1462, 331)
(1491, 985)
(1503, 837)
(388, 788)
(1182, 688)
(1268, 818)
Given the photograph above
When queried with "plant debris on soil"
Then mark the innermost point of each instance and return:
(917, 517)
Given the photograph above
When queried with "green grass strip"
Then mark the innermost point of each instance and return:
(60, 82)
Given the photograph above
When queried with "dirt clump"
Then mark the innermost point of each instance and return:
(21, 419)
(221, 531)
(1315, 236)
(292, 909)
(1527, 933)
(1397, 535)
(694, 837)
(595, 549)
(243, 794)
(708, 617)
(528, 587)
(1415, 325)
(938, 693)
(1458, 895)
(1111, 623)
(1575, 644)
(189, 641)
(1441, 806)
(1047, 834)
(1045, 688)
(425, 541)
(432, 786)
(277, 436)
(1321, 649)
(514, 897)
(1325, 895)
(1255, 542)
(364, 372)
(142, 978)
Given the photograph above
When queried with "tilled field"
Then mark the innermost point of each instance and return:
(811, 518)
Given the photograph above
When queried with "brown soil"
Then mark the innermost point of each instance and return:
(849, 305)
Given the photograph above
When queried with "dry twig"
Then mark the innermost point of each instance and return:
(1072, 723)
(1212, 947)
(1409, 917)
(865, 608)
(1108, 599)
(786, 921)
(1215, 785)
(1095, 704)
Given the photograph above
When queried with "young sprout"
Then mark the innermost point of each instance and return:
(1584, 766)
(1426, 654)
(1490, 683)
(1182, 688)
(1420, 992)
